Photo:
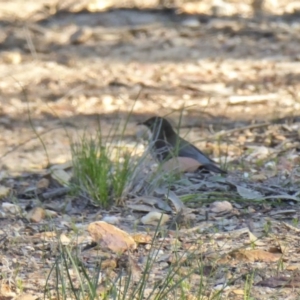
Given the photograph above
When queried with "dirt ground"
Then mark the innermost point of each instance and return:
(78, 65)
(65, 66)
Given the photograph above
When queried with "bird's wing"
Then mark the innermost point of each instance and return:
(189, 150)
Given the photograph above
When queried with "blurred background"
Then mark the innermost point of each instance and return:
(67, 65)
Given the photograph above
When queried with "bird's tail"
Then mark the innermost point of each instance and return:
(212, 167)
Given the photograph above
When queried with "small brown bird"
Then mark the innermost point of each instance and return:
(168, 144)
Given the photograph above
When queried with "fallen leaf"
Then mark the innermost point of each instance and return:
(248, 193)
(256, 240)
(61, 176)
(153, 202)
(36, 215)
(259, 177)
(170, 195)
(108, 264)
(284, 211)
(51, 213)
(142, 238)
(64, 239)
(285, 196)
(111, 237)
(43, 183)
(238, 292)
(292, 267)
(4, 191)
(5, 290)
(142, 208)
(155, 218)
(254, 255)
(45, 236)
(179, 206)
(58, 172)
(65, 166)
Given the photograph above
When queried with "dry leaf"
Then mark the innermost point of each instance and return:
(153, 202)
(58, 172)
(45, 236)
(61, 176)
(108, 264)
(36, 215)
(65, 166)
(43, 183)
(248, 194)
(155, 218)
(292, 267)
(4, 191)
(238, 292)
(142, 208)
(254, 255)
(179, 206)
(259, 177)
(170, 195)
(64, 239)
(142, 238)
(111, 237)
(6, 291)
(51, 213)
(181, 165)
(254, 239)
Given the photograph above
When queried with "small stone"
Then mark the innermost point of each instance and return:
(10, 208)
(64, 239)
(220, 207)
(111, 220)
(36, 215)
(191, 22)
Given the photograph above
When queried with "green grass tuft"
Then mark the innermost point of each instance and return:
(102, 167)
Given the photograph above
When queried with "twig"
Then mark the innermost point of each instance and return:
(55, 193)
(253, 126)
(254, 99)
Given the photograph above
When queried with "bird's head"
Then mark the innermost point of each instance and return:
(158, 126)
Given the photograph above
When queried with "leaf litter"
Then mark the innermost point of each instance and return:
(226, 205)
